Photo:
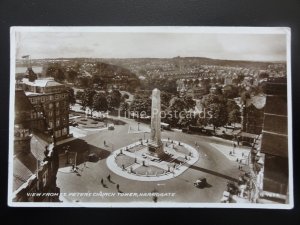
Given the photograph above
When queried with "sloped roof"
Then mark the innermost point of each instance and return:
(20, 173)
(45, 82)
(25, 164)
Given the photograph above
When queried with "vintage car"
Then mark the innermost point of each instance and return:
(225, 197)
(111, 126)
(200, 182)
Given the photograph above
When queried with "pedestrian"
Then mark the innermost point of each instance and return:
(118, 187)
(108, 177)
(73, 167)
(237, 160)
(102, 182)
(104, 142)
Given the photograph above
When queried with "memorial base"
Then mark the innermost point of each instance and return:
(156, 150)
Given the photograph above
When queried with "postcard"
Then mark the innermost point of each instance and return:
(150, 117)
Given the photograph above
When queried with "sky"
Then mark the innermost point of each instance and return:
(231, 46)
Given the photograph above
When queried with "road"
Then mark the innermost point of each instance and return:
(212, 164)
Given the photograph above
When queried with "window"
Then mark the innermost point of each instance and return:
(58, 122)
(45, 175)
(65, 120)
(50, 105)
(51, 97)
(57, 133)
(64, 131)
(57, 112)
(50, 124)
(50, 113)
(57, 104)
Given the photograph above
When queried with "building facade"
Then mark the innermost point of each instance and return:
(35, 162)
(274, 143)
(50, 100)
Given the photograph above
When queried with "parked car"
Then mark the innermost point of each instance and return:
(200, 182)
(225, 197)
(111, 126)
(92, 157)
(186, 130)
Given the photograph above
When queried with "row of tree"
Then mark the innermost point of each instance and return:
(101, 101)
(217, 110)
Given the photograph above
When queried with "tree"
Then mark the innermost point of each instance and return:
(263, 75)
(177, 104)
(124, 106)
(114, 99)
(72, 75)
(124, 97)
(99, 102)
(56, 71)
(83, 81)
(140, 105)
(72, 99)
(87, 98)
(234, 114)
(165, 98)
(79, 95)
(189, 102)
(230, 91)
(216, 106)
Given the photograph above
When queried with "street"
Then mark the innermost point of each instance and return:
(212, 165)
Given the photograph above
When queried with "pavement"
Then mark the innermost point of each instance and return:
(238, 153)
(112, 165)
(216, 167)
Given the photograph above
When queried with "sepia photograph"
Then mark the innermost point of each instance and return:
(144, 117)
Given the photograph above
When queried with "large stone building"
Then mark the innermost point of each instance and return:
(274, 143)
(35, 161)
(51, 101)
(253, 114)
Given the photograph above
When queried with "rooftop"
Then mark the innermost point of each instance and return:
(45, 82)
(25, 164)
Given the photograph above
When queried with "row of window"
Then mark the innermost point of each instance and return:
(62, 132)
(46, 98)
(58, 122)
(58, 112)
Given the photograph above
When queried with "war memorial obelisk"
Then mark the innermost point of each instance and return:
(155, 145)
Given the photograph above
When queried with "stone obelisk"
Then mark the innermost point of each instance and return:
(155, 144)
